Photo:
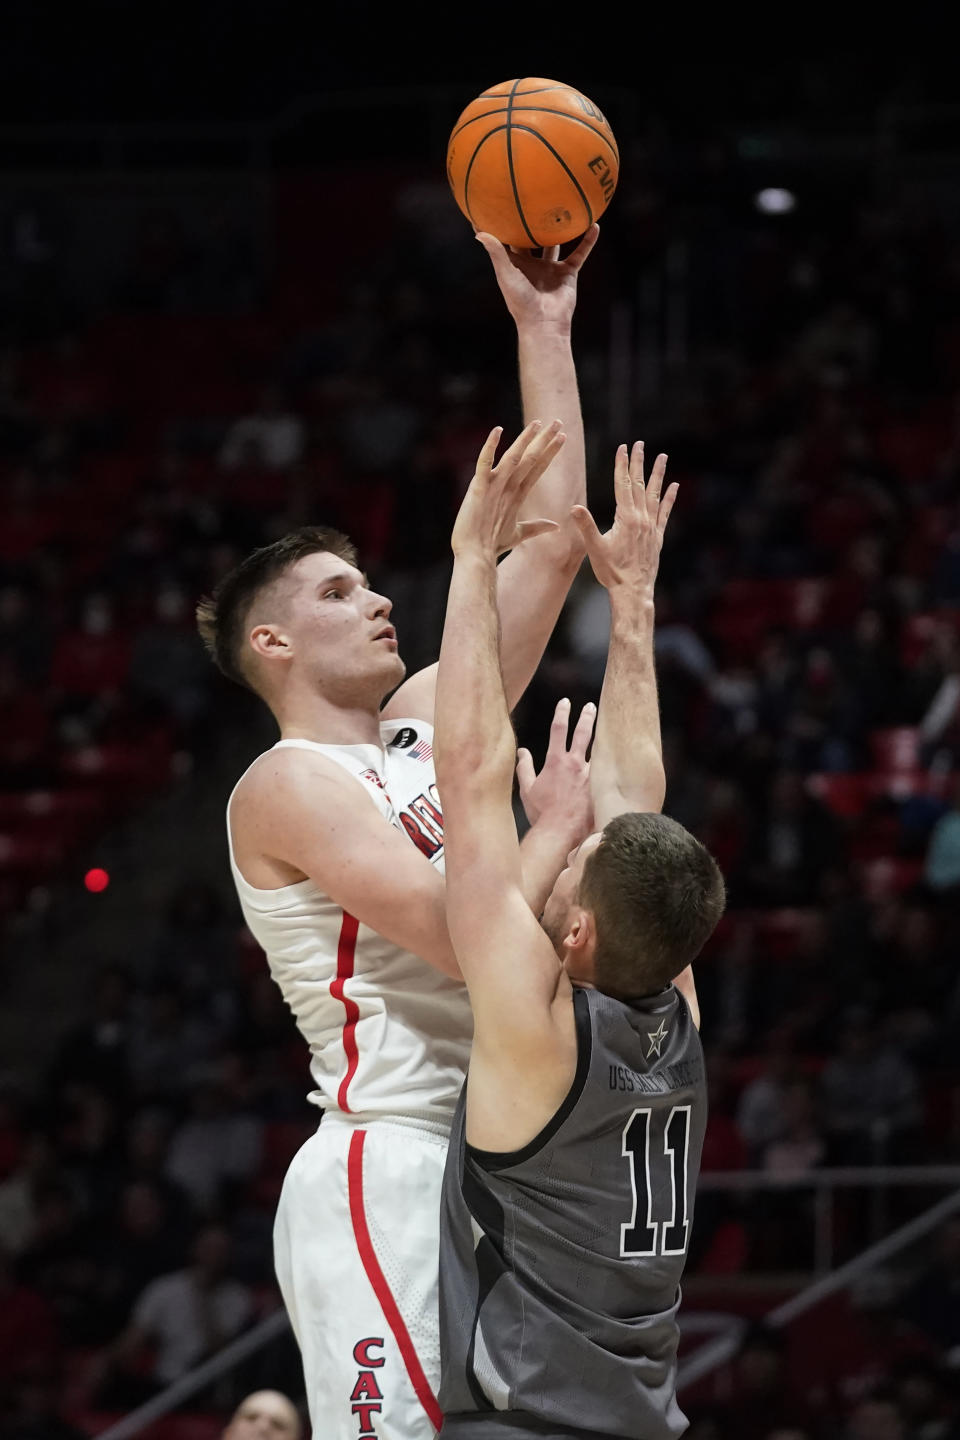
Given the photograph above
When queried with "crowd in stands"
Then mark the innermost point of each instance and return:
(809, 666)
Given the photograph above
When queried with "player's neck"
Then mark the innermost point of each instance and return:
(325, 722)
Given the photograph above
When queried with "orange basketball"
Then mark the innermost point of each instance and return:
(532, 161)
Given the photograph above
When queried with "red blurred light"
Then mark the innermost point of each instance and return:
(96, 880)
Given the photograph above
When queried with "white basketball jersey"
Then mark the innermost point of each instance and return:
(388, 1033)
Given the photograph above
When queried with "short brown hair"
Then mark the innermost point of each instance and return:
(656, 895)
(222, 616)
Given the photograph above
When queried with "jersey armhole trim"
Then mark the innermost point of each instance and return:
(502, 1160)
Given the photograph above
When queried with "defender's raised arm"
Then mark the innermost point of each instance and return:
(627, 763)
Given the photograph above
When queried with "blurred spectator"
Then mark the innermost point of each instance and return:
(96, 1052)
(942, 866)
(216, 1148)
(272, 437)
(140, 1240)
(264, 1415)
(36, 1409)
(762, 1106)
(171, 1046)
(168, 665)
(877, 1417)
(763, 1395)
(925, 1394)
(799, 1147)
(29, 1334)
(795, 839)
(180, 1318)
(869, 1095)
(20, 1191)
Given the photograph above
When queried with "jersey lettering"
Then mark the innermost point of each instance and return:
(640, 1235)
(425, 843)
(428, 814)
(423, 821)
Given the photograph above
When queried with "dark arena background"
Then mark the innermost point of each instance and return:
(236, 296)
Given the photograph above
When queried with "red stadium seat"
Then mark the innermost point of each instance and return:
(30, 856)
(64, 816)
(844, 795)
(118, 765)
(90, 664)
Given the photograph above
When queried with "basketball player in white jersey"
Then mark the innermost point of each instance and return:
(336, 847)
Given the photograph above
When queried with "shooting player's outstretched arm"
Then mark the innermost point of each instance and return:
(532, 583)
(626, 768)
(511, 969)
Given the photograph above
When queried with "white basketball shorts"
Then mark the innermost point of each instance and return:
(356, 1247)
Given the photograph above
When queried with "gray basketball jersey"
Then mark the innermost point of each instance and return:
(560, 1264)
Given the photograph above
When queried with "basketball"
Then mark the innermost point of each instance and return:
(533, 162)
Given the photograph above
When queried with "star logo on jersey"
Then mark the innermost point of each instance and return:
(656, 1038)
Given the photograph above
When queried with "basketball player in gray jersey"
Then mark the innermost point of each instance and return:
(569, 1185)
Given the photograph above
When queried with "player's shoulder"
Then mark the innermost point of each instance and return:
(289, 776)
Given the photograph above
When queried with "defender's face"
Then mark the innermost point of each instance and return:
(561, 907)
(339, 628)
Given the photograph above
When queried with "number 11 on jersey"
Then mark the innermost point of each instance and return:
(642, 1235)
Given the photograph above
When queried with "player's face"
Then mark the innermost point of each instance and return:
(561, 907)
(340, 628)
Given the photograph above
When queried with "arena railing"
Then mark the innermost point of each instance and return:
(878, 1179)
(711, 1356)
(715, 1352)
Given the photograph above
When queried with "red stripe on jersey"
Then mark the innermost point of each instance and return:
(378, 1280)
(346, 951)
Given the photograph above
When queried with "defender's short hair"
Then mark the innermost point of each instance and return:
(222, 616)
(656, 895)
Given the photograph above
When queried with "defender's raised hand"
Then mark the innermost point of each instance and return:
(539, 289)
(560, 794)
(487, 522)
(629, 553)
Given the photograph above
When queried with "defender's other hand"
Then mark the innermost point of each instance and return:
(487, 522)
(539, 289)
(629, 553)
(560, 794)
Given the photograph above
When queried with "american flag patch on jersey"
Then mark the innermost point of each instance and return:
(421, 751)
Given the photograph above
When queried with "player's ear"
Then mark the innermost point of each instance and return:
(271, 642)
(581, 937)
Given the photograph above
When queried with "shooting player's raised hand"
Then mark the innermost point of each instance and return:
(539, 289)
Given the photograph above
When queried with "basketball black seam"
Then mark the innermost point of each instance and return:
(513, 178)
(504, 94)
(466, 178)
(560, 160)
(542, 110)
